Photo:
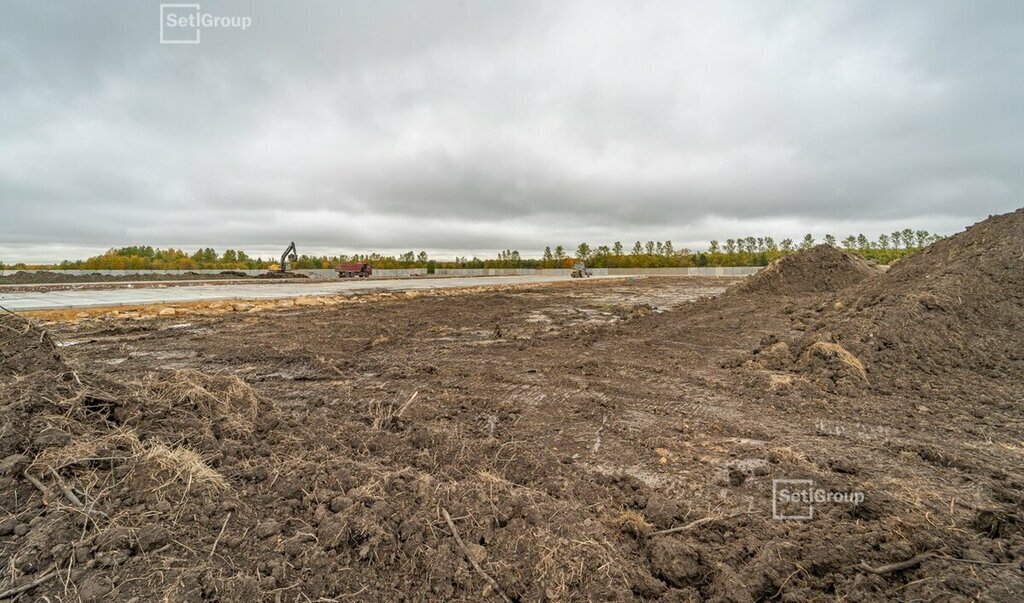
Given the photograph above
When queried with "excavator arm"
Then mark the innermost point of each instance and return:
(290, 254)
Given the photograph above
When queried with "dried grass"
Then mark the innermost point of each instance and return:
(185, 464)
(632, 522)
(233, 394)
(168, 464)
(579, 564)
(123, 444)
(777, 381)
(386, 415)
(834, 350)
(217, 397)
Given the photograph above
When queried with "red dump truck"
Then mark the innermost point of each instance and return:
(354, 270)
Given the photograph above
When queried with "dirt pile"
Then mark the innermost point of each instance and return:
(953, 311)
(821, 269)
(95, 481)
(276, 274)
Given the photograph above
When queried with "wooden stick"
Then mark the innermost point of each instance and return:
(407, 404)
(217, 540)
(476, 566)
(67, 491)
(38, 484)
(17, 590)
(896, 567)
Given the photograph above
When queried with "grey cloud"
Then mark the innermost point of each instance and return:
(464, 127)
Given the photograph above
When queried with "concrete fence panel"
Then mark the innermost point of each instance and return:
(329, 273)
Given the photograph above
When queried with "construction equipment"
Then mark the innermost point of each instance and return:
(579, 270)
(355, 269)
(289, 255)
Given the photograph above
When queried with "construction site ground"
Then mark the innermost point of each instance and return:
(597, 440)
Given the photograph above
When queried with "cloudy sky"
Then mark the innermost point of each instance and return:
(466, 127)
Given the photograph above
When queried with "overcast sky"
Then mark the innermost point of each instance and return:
(466, 127)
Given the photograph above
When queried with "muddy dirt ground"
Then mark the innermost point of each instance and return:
(586, 441)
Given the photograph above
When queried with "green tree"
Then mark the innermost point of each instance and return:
(830, 240)
(908, 238)
(638, 248)
(583, 251)
(617, 249)
(808, 242)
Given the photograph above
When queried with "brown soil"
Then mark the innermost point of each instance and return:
(821, 269)
(316, 453)
(949, 313)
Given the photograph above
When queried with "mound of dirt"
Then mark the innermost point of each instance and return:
(278, 275)
(96, 480)
(953, 311)
(821, 269)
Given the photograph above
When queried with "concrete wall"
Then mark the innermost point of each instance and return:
(406, 272)
(720, 271)
(511, 271)
(313, 273)
(707, 271)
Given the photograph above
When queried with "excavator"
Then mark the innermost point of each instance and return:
(290, 255)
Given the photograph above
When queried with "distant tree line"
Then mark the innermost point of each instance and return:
(152, 258)
(740, 251)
